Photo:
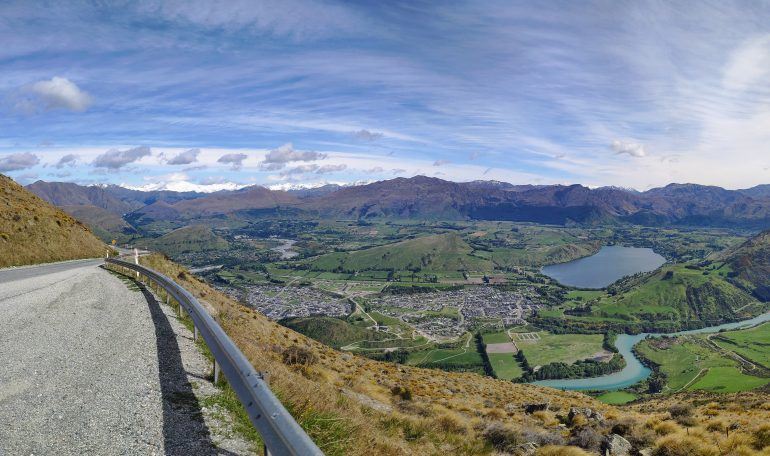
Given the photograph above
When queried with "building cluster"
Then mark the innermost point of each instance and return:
(278, 302)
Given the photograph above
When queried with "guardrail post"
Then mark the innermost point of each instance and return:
(195, 333)
(216, 372)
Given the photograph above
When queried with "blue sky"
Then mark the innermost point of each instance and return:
(220, 94)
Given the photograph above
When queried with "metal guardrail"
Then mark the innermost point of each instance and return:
(280, 432)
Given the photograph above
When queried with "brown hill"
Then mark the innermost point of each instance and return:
(220, 203)
(104, 224)
(69, 194)
(33, 231)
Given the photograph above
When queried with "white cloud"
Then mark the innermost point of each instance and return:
(441, 162)
(17, 162)
(116, 159)
(278, 158)
(59, 93)
(630, 148)
(234, 160)
(185, 158)
(314, 168)
(367, 135)
(67, 160)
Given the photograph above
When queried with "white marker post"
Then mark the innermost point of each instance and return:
(136, 259)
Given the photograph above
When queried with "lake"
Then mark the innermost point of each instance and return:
(605, 267)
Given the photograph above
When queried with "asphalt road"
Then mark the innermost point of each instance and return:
(79, 369)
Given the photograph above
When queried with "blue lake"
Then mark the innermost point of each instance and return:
(605, 267)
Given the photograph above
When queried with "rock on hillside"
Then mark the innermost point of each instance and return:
(33, 231)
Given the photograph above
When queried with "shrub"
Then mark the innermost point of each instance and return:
(299, 355)
(402, 392)
(680, 410)
(586, 438)
(450, 424)
(500, 436)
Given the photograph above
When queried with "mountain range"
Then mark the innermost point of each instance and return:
(424, 198)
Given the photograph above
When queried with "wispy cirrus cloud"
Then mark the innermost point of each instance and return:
(534, 91)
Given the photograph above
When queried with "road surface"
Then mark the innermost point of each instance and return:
(90, 365)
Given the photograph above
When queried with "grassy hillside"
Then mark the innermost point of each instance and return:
(104, 224)
(750, 264)
(692, 363)
(355, 406)
(674, 297)
(331, 331)
(442, 252)
(33, 231)
(193, 238)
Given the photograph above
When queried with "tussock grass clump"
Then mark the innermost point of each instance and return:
(558, 450)
(761, 437)
(684, 445)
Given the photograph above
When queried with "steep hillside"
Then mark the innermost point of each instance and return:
(104, 224)
(216, 204)
(441, 252)
(193, 238)
(69, 194)
(750, 264)
(355, 406)
(33, 231)
(331, 331)
(673, 298)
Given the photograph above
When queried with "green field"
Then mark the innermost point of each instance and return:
(496, 338)
(727, 380)
(616, 397)
(564, 348)
(691, 363)
(445, 355)
(753, 344)
(505, 366)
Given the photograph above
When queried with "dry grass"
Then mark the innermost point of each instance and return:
(33, 231)
(457, 413)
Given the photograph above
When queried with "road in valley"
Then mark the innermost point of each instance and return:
(80, 369)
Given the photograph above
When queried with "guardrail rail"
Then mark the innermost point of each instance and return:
(278, 429)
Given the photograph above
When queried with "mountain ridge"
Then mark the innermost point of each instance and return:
(423, 197)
